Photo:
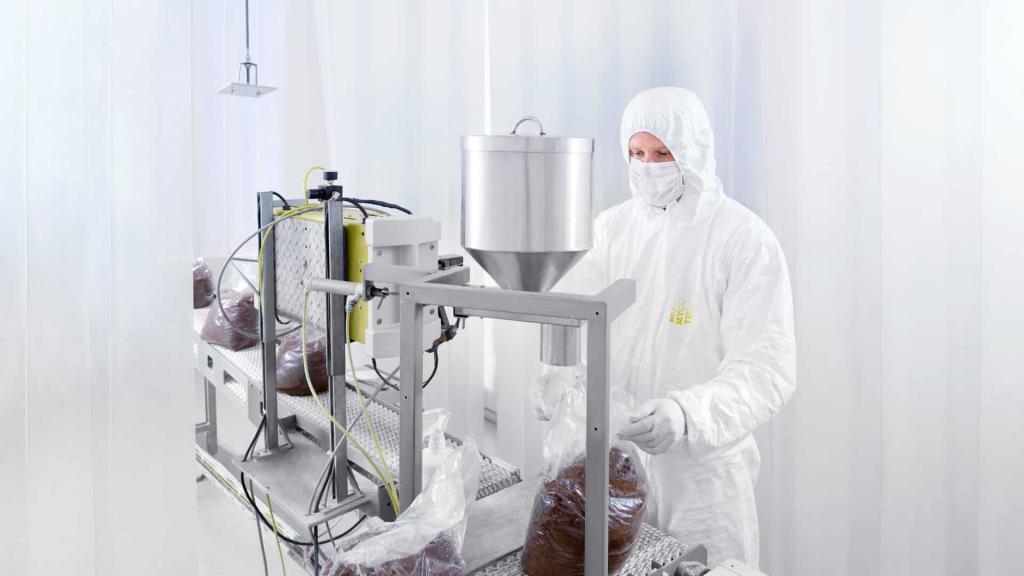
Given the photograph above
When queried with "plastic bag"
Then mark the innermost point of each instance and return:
(547, 389)
(202, 284)
(426, 539)
(243, 329)
(291, 376)
(555, 538)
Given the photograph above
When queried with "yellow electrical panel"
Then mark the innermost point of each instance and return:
(356, 258)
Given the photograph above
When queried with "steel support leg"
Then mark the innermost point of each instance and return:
(209, 426)
(596, 511)
(268, 325)
(337, 338)
(411, 379)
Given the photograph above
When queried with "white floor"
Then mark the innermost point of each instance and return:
(228, 544)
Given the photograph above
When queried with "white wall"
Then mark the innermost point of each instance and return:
(95, 362)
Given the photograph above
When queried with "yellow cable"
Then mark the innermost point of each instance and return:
(273, 522)
(305, 181)
(388, 486)
(384, 475)
(362, 405)
(259, 260)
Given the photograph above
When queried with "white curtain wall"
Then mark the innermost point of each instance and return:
(96, 468)
(891, 178)
(876, 138)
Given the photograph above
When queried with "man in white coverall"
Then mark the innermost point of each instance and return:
(708, 348)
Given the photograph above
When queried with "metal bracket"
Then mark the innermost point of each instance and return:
(597, 312)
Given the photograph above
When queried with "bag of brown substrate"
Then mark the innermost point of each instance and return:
(426, 539)
(439, 558)
(235, 328)
(202, 284)
(555, 539)
(291, 376)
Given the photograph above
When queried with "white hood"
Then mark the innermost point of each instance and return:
(678, 119)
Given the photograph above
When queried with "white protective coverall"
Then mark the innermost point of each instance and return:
(712, 329)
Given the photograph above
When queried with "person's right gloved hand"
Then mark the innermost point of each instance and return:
(655, 426)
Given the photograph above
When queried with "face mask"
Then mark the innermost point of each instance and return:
(656, 183)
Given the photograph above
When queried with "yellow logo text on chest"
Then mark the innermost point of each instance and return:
(680, 314)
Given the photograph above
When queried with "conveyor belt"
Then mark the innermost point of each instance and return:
(653, 546)
(495, 474)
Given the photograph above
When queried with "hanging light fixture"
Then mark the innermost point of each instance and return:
(251, 86)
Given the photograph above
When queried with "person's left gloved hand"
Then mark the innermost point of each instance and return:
(655, 426)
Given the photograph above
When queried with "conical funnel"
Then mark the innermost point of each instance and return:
(526, 206)
(532, 271)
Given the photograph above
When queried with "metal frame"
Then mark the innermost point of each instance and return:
(208, 427)
(335, 263)
(334, 236)
(419, 290)
(596, 312)
(268, 327)
(264, 467)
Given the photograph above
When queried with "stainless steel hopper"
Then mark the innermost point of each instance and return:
(526, 213)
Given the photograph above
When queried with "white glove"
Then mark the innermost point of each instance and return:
(656, 426)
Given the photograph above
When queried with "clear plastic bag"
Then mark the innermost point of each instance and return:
(291, 376)
(547, 389)
(202, 284)
(555, 538)
(243, 329)
(426, 539)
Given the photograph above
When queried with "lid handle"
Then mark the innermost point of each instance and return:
(529, 119)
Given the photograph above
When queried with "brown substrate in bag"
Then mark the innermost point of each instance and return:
(202, 286)
(291, 376)
(243, 314)
(555, 540)
(439, 558)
